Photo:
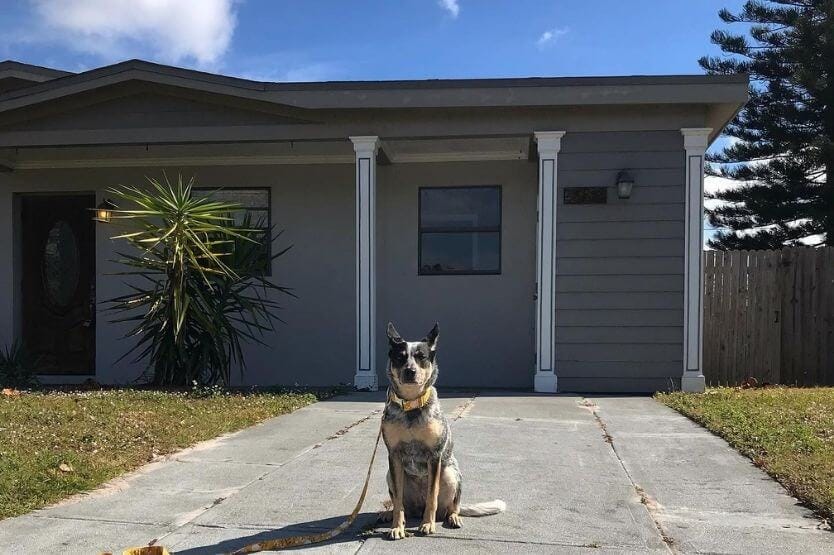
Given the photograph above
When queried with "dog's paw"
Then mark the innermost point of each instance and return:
(385, 516)
(396, 533)
(454, 521)
(426, 528)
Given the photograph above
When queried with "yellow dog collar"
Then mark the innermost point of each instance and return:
(413, 404)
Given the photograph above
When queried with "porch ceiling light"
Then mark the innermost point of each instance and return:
(104, 211)
(624, 184)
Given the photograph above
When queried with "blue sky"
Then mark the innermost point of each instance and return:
(357, 39)
(318, 40)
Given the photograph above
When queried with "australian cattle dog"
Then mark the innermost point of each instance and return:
(423, 476)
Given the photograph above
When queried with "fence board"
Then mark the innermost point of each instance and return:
(769, 315)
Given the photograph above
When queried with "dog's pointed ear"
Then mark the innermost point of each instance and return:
(393, 335)
(432, 336)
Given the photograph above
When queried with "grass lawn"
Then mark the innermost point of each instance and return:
(54, 444)
(789, 432)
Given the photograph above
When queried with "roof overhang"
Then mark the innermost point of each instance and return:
(437, 93)
(349, 104)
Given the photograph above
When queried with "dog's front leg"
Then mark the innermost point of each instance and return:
(398, 513)
(433, 490)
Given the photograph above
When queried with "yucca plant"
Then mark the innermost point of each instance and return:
(198, 290)
(17, 367)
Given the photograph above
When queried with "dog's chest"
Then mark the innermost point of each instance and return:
(428, 432)
(414, 443)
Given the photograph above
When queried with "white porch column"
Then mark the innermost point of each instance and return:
(695, 141)
(549, 143)
(365, 148)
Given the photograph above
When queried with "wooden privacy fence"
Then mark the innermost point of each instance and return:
(769, 315)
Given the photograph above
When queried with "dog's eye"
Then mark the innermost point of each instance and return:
(419, 356)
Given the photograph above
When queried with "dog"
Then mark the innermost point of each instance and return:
(423, 478)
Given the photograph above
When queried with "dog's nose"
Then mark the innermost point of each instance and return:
(410, 374)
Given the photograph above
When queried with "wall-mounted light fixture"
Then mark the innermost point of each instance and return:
(625, 183)
(104, 211)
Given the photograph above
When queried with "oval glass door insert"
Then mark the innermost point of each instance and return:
(61, 265)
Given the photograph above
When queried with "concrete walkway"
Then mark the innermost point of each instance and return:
(595, 475)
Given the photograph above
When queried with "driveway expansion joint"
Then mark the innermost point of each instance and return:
(645, 499)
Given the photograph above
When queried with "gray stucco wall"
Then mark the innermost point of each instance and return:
(313, 204)
(486, 321)
(619, 303)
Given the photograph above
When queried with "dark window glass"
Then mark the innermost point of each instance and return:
(460, 230)
(256, 210)
(61, 264)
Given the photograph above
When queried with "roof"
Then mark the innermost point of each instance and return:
(11, 68)
(430, 93)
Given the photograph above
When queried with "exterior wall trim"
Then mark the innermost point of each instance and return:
(695, 142)
(183, 161)
(549, 143)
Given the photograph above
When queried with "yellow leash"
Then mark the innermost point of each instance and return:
(295, 541)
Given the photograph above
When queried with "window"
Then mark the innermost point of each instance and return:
(459, 230)
(255, 203)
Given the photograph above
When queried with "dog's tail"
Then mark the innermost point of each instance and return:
(483, 509)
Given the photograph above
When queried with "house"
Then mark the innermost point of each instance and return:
(552, 226)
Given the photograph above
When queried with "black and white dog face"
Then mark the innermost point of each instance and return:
(411, 364)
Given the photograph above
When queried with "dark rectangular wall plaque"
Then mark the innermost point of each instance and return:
(585, 195)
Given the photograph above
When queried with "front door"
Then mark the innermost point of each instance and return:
(58, 310)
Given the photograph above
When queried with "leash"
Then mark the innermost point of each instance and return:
(295, 541)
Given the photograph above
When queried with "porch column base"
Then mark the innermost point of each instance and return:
(545, 382)
(365, 381)
(693, 383)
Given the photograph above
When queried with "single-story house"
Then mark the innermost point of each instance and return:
(552, 226)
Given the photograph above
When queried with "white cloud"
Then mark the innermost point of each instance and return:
(550, 35)
(450, 6)
(314, 71)
(171, 31)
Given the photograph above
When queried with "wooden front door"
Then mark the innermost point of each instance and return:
(58, 310)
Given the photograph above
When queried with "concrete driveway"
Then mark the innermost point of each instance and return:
(595, 475)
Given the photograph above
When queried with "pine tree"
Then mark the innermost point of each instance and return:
(781, 151)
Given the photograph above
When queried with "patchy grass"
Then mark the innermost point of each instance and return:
(789, 432)
(54, 444)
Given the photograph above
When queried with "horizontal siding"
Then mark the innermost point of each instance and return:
(624, 212)
(619, 369)
(619, 230)
(619, 265)
(643, 178)
(619, 385)
(621, 160)
(640, 196)
(597, 335)
(584, 317)
(649, 141)
(601, 248)
(625, 284)
(623, 352)
(620, 301)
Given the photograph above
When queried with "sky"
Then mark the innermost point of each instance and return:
(320, 40)
(363, 39)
